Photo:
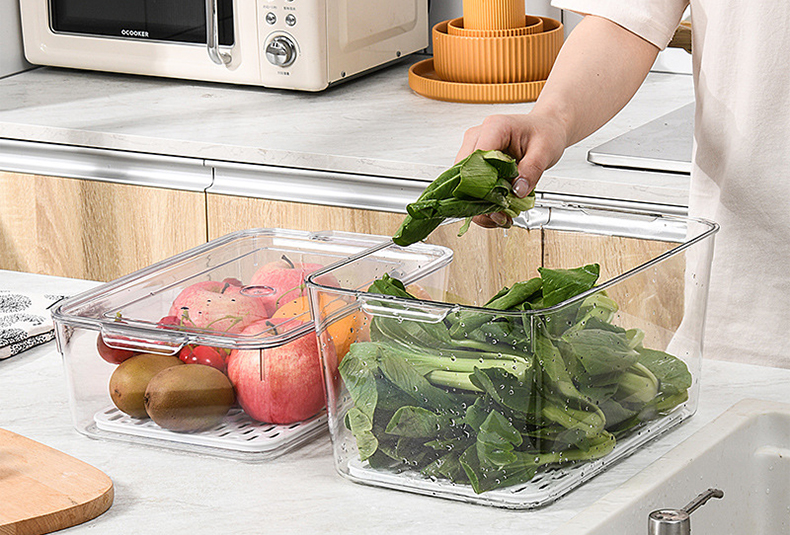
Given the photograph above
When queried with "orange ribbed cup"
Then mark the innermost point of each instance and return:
(493, 14)
(496, 60)
(531, 25)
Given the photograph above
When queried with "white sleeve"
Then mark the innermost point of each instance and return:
(653, 20)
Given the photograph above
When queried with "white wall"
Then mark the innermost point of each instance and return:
(12, 59)
(450, 9)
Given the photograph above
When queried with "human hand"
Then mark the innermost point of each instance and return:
(535, 141)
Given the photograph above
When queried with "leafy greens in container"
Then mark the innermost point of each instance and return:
(486, 399)
(479, 184)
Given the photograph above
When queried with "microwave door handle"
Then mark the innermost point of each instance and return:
(212, 35)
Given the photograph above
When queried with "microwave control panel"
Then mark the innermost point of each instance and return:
(310, 44)
(292, 43)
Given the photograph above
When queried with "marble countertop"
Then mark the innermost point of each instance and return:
(373, 126)
(159, 491)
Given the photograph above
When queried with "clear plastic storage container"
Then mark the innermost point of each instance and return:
(213, 350)
(598, 351)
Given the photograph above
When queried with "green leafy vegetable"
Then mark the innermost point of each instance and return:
(486, 399)
(479, 184)
(562, 284)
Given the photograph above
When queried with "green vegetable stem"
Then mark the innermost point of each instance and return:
(479, 184)
(487, 398)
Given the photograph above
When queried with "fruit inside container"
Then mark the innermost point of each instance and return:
(214, 350)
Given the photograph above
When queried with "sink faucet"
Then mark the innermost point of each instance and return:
(678, 521)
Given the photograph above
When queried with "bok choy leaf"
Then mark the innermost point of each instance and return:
(479, 184)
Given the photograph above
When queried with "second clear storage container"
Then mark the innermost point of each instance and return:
(213, 350)
(533, 360)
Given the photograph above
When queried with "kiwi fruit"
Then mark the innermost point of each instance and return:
(189, 398)
(130, 379)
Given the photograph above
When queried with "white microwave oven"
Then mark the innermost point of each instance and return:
(286, 44)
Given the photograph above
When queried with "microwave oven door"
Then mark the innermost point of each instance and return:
(169, 38)
(174, 21)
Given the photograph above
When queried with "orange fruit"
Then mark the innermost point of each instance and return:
(341, 331)
(293, 309)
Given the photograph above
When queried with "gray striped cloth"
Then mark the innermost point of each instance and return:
(25, 321)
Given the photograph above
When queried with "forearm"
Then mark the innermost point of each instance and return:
(598, 70)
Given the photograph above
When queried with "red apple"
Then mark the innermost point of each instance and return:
(120, 352)
(288, 388)
(206, 355)
(281, 281)
(233, 281)
(111, 354)
(168, 321)
(219, 306)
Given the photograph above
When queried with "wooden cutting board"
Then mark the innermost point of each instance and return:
(44, 490)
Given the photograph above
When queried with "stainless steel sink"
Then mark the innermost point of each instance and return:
(745, 452)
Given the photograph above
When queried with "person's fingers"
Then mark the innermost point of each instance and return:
(535, 144)
(522, 187)
(493, 220)
(529, 172)
(494, 134)
(541, 152)
(501, 219)
(484, 221)
(469, 143)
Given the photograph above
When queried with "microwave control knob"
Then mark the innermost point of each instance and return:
(281, 51)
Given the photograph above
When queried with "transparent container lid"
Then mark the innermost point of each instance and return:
(129, 311)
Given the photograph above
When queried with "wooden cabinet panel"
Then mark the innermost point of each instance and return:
(513, 259)
(485, 260)
(651, 300)
(228, 213)
(93, 230)
(101, 231)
